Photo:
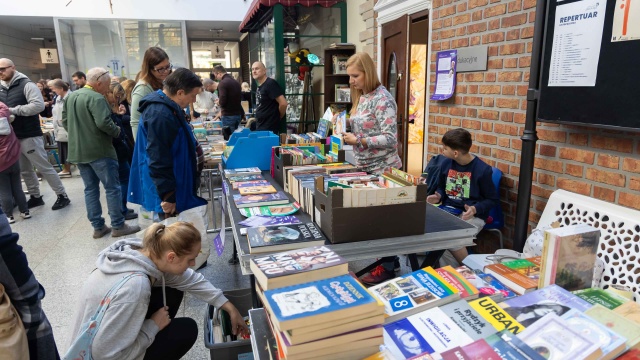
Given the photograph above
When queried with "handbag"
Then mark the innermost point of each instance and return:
(80, 349)
(13, 336)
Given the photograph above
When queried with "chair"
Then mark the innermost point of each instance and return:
(495, 221)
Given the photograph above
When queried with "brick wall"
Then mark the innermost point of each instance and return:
(369, 37)
(604, 164)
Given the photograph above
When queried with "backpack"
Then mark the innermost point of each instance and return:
(435, 171)
(80, 349)
(13, 336)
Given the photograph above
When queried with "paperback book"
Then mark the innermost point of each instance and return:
(630, 310)
(465, 288)
(237, 185)
(603, 297)
(242, 171)
(284, 237)
(477, 350)
(520, 275)
(486, 284)
(414, 292)
(243, 201)
(611, 344)
(243, 178)
(496, 316)
(261, 220)
(617, 323)
(296, 266)
(468, 319)
(504, 344)
(262, 189)
(273, 210)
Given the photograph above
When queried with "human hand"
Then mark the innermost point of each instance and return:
(168, 208)
(122, 110)
(238, 326)
(349, 139)
(434, 198)
(469, 212)
(161, 317)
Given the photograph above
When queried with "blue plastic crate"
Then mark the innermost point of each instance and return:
(251, 149)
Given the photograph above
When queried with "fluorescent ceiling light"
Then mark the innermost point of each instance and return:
(37, 38)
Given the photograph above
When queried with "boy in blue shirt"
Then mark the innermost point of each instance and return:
(467, 184)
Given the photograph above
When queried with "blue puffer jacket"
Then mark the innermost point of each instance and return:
(164, 159)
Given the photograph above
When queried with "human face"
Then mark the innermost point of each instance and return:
(40, 86)
(6, 71)
(258, 72)
(449, 152)
(177, 265)
(80, 82)
(162, 70)
(356, 77)
(183, 99)
(58, 91)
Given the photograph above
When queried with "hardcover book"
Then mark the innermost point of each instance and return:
(455, 279)
(569, 256)
(242, 178)
(414, 292)
(618, 323)
(486, 284)
(264, 189)
(296, 266)
(242, 171)
(243, 201)
(284, 237)
(603, 297)
(554, 339)
(529, 308)
(273, 210)
(611, 344)
(496, 316)
(320, 301)
(429, 331)
(468, 319)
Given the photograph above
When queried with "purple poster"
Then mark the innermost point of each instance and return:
(219, 243)
(445, 74)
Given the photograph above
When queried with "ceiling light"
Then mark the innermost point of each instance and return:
(37, 38)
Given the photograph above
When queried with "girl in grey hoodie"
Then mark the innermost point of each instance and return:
(140, 322)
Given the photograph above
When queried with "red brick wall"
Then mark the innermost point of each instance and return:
(603, 164)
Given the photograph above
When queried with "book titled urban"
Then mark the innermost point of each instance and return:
(414, 292)
(320, 301)
(302, 265)
(284, 237)
(496, 316)
(243, 201)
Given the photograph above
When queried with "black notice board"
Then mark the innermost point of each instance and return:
(615, 99)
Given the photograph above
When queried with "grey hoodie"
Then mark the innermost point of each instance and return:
(124, 332)
(35, 103)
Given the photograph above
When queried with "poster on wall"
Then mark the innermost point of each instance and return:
(577, 37)
(626, 21)
(445, 74)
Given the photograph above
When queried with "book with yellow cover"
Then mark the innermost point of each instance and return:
(495, 315)
(265, 189)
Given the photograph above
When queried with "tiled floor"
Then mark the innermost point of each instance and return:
(62, 253)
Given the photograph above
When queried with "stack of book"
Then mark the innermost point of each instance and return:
(283, 237)
(520, 275)
(316, 309)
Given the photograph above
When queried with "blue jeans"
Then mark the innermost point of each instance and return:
(232, 121)
(123, 175)
(103, 171)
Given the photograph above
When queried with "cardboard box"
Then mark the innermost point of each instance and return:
(342, 225)
(282, 160)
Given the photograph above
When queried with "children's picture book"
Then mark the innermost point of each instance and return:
(242, 171)
(468, 319)
(237, 185)
(430, 331)
(554, 339)
(273, 210)
(321, 301)
(243, 201)
(486, 284)
(284, 237)
(618, 323)
(531, 307)
(496, 315)
(265, 189)
(261, 220)
(569, 256)
(243, 178)
(603, 297)
(340, 126)
(414, 292)
(296, 266)
(465, 288)
(611, 344)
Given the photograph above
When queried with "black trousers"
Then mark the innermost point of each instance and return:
(174, 341)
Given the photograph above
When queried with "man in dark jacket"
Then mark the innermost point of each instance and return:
(229, 97)
(24, 100)
(25, 293)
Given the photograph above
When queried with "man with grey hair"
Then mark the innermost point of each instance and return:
(87, 118)
(24, 100)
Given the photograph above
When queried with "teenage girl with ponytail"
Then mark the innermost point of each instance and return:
(140, 322)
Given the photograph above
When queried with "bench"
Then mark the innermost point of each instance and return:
(619, 248)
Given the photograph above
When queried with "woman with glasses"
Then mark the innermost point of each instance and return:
(155, 68)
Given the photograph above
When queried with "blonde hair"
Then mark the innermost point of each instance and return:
(362, 62)
(128, 86)
(245, 87)
(179, 237)
(114, 88)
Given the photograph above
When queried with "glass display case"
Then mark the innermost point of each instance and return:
(311, 29)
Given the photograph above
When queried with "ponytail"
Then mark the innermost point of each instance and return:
(179, 237)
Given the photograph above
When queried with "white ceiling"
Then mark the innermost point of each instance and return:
(36, 26)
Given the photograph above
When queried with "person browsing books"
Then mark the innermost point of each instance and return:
(467, 186)
(141, 321)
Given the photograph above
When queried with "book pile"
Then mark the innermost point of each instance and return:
(316, 310)
(306, 155)
(519, 275)
(283, 237)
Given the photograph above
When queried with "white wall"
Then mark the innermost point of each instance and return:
(355, 24)
(25, 53)
(229, 10)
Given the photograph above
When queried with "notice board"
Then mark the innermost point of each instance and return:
(614, 99)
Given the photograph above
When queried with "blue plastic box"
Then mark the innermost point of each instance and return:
(251, 148)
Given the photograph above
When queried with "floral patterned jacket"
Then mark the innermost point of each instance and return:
(375, 121)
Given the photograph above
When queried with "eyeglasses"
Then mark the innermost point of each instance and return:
(103, 74)
(164, 69)
(2, 69)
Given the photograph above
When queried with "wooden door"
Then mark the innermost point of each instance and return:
(395, 74)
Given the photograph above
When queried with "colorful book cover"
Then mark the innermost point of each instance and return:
(323, 127)
(429, 331)
(524, 350)
(503, 349)
(336, 143)
(260, 220)
(242, 171)
(468, 319)
(454, 354)
(273, 238)
(602, 297)
(480, 350)
(530, 307)
(297, 261)
(527, 267)
(552, 338)
(609, 342)
(486, 284)
(319, 302)
(242, 178)
(273, 210)
(237, 185)
(495, 315)
(260, 199)
(264, 189)
(617, 323)
(455, 279)
(412, 292)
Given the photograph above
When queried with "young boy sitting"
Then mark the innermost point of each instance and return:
(468, 186)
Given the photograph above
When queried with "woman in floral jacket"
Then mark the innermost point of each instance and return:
(374, 132)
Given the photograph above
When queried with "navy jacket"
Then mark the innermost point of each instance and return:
(164, 160)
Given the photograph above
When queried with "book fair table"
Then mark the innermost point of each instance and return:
(442, 231)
